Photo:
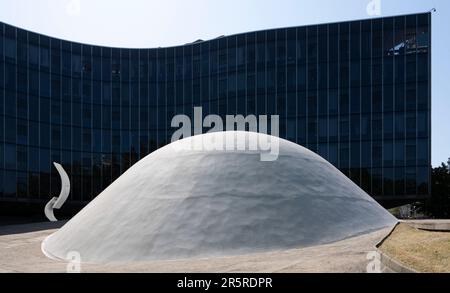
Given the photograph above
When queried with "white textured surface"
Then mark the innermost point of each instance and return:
(178, 203)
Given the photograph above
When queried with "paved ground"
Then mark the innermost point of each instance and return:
(20, 251)
(432, 225)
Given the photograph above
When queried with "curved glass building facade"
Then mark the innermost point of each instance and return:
(358, 93)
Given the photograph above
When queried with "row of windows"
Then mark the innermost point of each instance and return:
(265, 52)
(324, 74)
(389, 153)
(115, 117)
(290, 105)
(117, 93)
(35, 185)
(410, 97)
(300, 129)
(389, 36)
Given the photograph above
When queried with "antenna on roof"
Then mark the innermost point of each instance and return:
(433, 10)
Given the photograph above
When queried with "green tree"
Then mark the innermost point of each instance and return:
(438, 205)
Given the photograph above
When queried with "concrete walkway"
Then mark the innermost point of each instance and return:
(431, 225)
(21, 252)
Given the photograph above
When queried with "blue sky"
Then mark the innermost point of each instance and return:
(151, 23)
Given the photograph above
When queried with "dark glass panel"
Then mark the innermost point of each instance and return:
(366, 39)
(377, 99)
(33, 133)
(10, 156)
(333, 101)
(377, 182)
(422, 152)
(333, 43)
(355, 100)
(323, 75)
(411, 66)
(344, 129)
(22, 47)
(301, 131)
(355, 74)
(400, 181)
(399, 36)
(377, 38)
(22, 158)
(388, 184)
(410, 153)
(301, 45)
(323, 150)
(9, 184)
(291, 79)
(400, 100)
(344, 101)
(411, 183)
(355, 40)
(388, 70)
(423, 33)
(400, 152)
(10, 129)
(366, 183)
(423, 67)
(10, 49)
(423, 124)
(333, 154)
(355, 127)
(312, 44)
(388, 125)
(423, 175)
(22, 131)
(355, 153)
(323, 129)
(400, 125)
(66, 62)
(10, 77)
(388, 37)
(377, 71)
(344, 157)
(323, 102)
(301, 104)
(377, 154)
(411, 125)
(366, 72)
(411, 34)
(388, 153)
(44, 57)
(333, 128)
(344, 41)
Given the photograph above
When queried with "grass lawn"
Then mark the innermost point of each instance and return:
(423, 251)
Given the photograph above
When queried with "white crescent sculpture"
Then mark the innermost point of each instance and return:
(57, 202)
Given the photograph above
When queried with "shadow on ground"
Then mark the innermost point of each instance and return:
(11, 229)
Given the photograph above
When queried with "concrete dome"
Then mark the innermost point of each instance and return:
(183, 203)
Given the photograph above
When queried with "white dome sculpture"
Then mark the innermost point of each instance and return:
(181, 203)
